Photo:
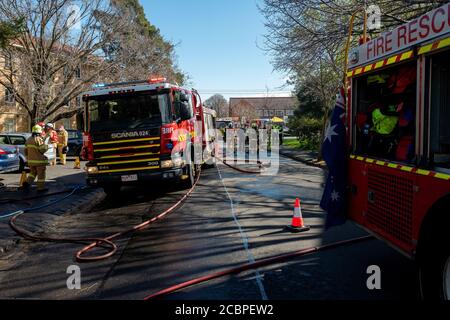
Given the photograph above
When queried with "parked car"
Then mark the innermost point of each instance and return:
(9, 158)
(75, 143)
(18, 139)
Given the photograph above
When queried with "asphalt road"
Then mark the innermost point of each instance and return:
(230, 219)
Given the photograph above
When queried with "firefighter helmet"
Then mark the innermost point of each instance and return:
(37, 129)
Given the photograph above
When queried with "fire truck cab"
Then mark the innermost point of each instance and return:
(142, 131)
(398, 111)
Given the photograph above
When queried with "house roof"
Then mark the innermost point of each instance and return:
(280, 103)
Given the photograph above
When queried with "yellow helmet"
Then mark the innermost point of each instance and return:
(36, 129)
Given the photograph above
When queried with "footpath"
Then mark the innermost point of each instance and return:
(59, 199)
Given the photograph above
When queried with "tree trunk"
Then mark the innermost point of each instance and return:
(322, 134)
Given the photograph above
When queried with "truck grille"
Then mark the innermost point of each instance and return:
(390, 205)
(128, 155)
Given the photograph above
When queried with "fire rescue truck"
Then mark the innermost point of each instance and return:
(398, 109)
(142, 131)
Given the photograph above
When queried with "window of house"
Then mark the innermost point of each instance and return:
(8, 61)
(280, 113)
(289, 112)
(10, 125)
(67, 123)
(78, 73)
(9, 96)
(439, 143)
(385, 113)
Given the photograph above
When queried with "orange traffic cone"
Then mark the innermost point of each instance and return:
(297, 220)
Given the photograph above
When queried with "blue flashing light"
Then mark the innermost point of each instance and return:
(99, 85)
(169, 146)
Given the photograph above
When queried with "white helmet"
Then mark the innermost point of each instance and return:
(50, 125)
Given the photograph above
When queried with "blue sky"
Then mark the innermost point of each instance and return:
(218, 44)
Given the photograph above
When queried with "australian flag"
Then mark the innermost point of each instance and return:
(334, 154)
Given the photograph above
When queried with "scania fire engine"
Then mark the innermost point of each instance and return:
(141, 131)
(399, 143)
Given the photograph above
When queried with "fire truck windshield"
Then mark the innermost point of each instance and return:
(130, 111)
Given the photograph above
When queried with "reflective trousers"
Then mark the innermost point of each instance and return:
(39, 172)
(62, 156)
(55, 147)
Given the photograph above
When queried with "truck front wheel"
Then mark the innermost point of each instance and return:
(188, 178)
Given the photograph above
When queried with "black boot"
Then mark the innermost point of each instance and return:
(25, 186)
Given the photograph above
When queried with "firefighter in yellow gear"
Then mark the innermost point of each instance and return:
(63, 141)
(37, 161)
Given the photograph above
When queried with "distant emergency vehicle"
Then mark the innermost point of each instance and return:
(399, 143)
(136, 132)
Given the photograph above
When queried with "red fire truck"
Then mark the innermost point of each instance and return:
(399, 143)
(141, 131)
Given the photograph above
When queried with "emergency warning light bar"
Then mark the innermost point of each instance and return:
(129, 83)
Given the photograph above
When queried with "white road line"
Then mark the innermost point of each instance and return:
(244, 238)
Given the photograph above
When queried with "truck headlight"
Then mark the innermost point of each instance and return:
(175, 163)
(166, 164)
(92, 170)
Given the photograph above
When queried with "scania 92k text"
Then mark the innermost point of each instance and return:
(136, 132)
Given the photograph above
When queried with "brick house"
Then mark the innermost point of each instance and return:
(262, 108)
(14, 118)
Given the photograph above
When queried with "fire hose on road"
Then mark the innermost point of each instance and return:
(255, 265)
(106, 242)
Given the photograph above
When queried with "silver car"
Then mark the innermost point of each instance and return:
(18, 139)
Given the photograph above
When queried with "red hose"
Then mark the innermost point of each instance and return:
(102, 242)
(254, 265)
(239, 169)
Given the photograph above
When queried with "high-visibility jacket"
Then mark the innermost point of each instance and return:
(34, 151)
(63, 137)
(383, 124)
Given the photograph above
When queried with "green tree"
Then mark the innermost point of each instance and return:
(9, 30)
(139, 50)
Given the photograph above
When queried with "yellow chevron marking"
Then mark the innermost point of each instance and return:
(129, 156)
(358, 71)
(423, 172)
(128, 161)
(392, 60)
(127, 148)
(444, 43)
(407, 169)
(442, 176)
(125, 141)
(129, 169)
(379, 64)
(406, 55)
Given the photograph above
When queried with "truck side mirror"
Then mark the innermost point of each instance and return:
(184, 97)
(184, 111)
